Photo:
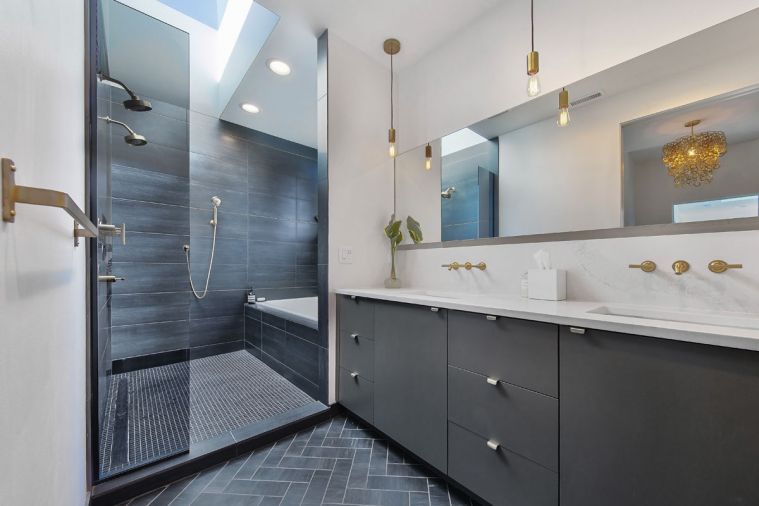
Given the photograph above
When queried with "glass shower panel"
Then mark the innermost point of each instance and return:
(143, 209)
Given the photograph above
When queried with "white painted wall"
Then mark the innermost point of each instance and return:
(480, 71)
(42, 275)
(360, 173)
(564, 179)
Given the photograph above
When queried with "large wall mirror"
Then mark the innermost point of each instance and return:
(665, 143)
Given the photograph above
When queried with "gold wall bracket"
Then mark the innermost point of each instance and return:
(13, 194)
(720, 266)
(645, 266)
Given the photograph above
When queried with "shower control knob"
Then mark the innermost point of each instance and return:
(110, 279)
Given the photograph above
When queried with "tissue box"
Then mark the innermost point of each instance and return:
(547, 284)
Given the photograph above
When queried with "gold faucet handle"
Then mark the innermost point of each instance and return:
(680, 266)
(720, 266)
(452, 266)
(645, 266)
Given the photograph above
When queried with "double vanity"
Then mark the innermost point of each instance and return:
(540, 403)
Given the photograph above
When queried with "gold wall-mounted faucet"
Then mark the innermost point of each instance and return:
(645, 266)
(680, 266)
(481, 266)
(720, 266)
(453, 266)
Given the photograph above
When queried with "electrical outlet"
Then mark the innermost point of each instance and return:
(345, 255)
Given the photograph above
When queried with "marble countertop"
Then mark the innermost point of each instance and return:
(575, 313)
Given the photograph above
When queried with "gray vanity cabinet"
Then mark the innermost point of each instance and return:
(410, 378)
(647, 421)
(356, 341)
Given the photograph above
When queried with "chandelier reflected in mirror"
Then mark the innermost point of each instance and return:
(692, 160)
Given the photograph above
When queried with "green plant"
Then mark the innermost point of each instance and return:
(394, 233)
(414, 230)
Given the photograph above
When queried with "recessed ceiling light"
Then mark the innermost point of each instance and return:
(279, 67)
(250, 108)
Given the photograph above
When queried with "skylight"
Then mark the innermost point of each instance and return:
(457, 141)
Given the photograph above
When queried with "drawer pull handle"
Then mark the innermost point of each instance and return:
(434, 309)
(576, 330)
(493, 381)
(493, 445)
(491, 317)
(354, 375)
(354, 336)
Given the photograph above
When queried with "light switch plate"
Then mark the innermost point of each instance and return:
(345, 255)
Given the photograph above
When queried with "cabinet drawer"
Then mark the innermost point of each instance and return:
(520, 352)
(499, 476)
(357, 354)
(357, 316)
(357, 394)
(523, 421)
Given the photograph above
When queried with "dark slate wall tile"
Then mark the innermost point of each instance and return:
(253, 332)
(149, 186)
(271, 253)
(151, 157)
(252, 312)
(230, 225)
(218, 172)
(136, 340)
(216, 304)
(306, 275)
(307, 232)
(130, 309)
(272, 277)
(223, 277)
(306, 254)
(159, 107)
(207, 331)
(307, 211)
(149, 217)
(148, 247)
(303, 332)
(286, 293)
(274, 321)
(272, 206)
(208, 137)
(298, 354)
(271, 181)
(150, 278)
(306, 189)
(268, 229)
(232, 201)
(228, 251)
(290, 375)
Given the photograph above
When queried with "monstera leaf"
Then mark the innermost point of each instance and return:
(414, 230)
(393, 232)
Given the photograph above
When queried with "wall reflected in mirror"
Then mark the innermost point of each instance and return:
(518, 173)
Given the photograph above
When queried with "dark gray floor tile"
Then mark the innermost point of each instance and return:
(360, 470)
(323, 451)
(172, 491)
(254, 461)
(338, 481)
(407, 470)
(378, 461)
(283, 474)
(376, 497)
(215, 499)
(257, 487)
(419, 499)
(397, 483)
(225, 476)
(316, 488)
(320, 463)
(294, 494)
(145, 499)
(193, 490)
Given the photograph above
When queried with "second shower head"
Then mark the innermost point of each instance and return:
(132, 138)
(216, 201)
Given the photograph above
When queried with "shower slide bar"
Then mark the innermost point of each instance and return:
(14, 194)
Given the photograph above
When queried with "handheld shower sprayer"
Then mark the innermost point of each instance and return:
(215, 204)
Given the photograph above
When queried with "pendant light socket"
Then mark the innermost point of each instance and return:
(391, 136)
(563, 99)
(533, 63)
(428, 151)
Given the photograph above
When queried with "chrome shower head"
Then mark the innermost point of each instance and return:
(133, 138)
(134, 103)
(216, 201)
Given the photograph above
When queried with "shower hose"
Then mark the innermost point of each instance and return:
(210, 263)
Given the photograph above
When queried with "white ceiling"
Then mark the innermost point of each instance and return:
(288, 104)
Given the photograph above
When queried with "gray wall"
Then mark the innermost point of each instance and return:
(266, 236)
(654, 193)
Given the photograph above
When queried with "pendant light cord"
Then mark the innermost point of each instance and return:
(532, 25)
(391, 92)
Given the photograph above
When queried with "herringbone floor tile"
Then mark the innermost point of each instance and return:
(337, 462)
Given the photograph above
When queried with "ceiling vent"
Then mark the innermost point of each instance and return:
(586, 99)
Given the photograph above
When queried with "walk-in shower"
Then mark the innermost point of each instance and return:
(182, 367)
(215, 204)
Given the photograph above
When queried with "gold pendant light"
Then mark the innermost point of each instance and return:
(692, 160)
(428, 157)
(533, 58)
(563, 108)
(391, 47)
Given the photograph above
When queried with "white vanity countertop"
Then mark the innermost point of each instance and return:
(575, 313)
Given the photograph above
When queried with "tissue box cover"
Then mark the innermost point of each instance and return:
(547, 284)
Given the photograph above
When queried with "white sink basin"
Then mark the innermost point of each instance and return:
(739, 320)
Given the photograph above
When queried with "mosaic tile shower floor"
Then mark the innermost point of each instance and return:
(337, 462)
(154, 413)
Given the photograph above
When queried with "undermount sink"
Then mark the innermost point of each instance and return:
(739, 320)
(438, 294)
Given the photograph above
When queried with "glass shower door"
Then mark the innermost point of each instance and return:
(143, 372)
